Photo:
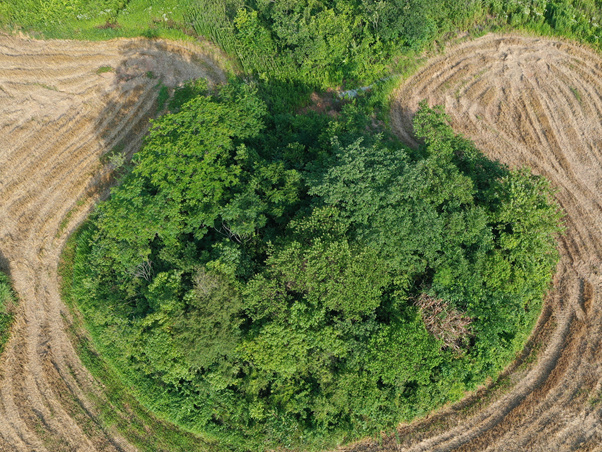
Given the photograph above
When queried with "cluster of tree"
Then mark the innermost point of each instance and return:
(328, 41)
(331, 42)
(281, 280)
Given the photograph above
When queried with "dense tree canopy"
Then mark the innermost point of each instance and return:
(331, 42)
(275, 279)
(325, 41)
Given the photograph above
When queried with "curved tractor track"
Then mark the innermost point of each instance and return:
(62, 105)
(536, 102)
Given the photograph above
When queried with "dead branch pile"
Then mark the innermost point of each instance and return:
(444, 321)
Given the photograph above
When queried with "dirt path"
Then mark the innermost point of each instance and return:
(62, 105)
(535, 102)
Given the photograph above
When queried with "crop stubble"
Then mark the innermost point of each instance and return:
(535, 102)
(58, 114)
(522, 100)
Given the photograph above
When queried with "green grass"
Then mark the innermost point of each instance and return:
(163, 96)
(579, 20)
(45, 86)
(595, 400)
(104, 69)
(95, 19)
(8, 302)
(67, 217)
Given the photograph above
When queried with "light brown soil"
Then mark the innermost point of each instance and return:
(58, 114)
(536, 102)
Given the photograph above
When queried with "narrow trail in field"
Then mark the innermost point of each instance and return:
(62, 105)
(535, 102)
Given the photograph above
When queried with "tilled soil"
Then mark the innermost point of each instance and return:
(63, 104)
(535, 102)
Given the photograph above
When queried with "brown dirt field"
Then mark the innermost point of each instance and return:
(58, 114)
(536, 102)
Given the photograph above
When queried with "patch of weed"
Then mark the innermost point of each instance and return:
(8, 301)
(104, 69)
(163, 97)
(43, 85)
(108, 156)
(576, 93)
(67, 217)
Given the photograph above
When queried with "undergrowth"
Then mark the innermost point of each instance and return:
(119, 407)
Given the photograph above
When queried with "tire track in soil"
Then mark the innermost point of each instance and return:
(536, 102)
(58, 115)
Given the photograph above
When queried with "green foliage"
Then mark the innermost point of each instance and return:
(119, 407)
(209, 330)
(255, 275)
(194, 175)
(336, 42)
(326, 43)
(96, 19)
(8, 301)
(578, 19)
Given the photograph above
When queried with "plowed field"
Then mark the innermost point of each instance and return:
(535, 102)
(62, 105)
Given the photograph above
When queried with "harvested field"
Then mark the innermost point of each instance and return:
(62, 105)
(535, 102)
(522, 100)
